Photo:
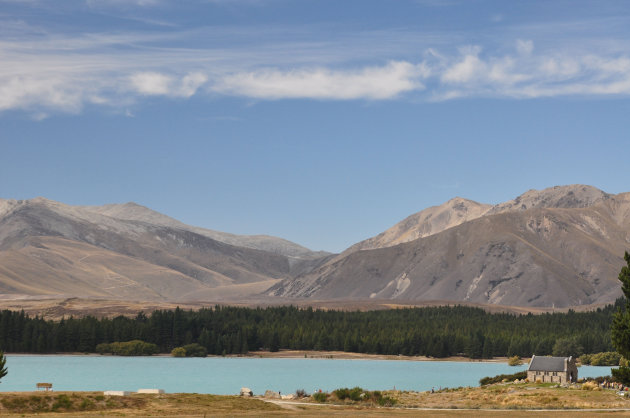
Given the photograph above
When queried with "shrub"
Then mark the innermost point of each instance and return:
(353, 394)
(178, 352)
(590, 386)
(86, 404)
(386, 401)
(585, 359)
(320, 397)
(128, 348)
(610, 358)
(499, 378)
(62, 401)
(301, 393)
(357, 394)
(515, 361)
(195, 350)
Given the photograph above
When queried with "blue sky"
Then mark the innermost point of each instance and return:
(323, 122)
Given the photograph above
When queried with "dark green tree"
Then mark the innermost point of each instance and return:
(620, 331)
(3, 365)
(565, 347)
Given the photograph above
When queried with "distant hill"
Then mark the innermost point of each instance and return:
(561, 246)
(131, 252)
(557, 247)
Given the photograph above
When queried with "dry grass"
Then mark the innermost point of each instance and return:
(515, 396)
(55, 308)
(514, 400)
(83, 404)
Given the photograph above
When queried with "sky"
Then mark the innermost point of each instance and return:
(322, 122)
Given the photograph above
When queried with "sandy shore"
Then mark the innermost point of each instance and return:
(340, 355)
(334, 355)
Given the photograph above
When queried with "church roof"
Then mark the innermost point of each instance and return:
(547, 364)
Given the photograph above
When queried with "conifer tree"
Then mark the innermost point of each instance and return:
(620, 331)
(3, 365)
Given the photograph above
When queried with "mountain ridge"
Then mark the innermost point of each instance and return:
(556, 247)
(560, 246)
(136, 259)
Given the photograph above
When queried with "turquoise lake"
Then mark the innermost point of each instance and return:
(225, 376)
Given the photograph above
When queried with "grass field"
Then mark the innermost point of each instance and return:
(515, 400)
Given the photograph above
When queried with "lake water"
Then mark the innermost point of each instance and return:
(225, 376)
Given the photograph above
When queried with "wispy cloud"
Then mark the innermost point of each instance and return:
(43, 72)
(375, 83)
(118, 3)
(157, 84)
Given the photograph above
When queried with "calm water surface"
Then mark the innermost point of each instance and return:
(225, 376)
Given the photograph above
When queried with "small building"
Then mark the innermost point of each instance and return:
(552, 370)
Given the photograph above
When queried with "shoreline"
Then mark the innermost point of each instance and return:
(342, 355)
(300, 354)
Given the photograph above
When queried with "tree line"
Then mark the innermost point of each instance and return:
(429, 331)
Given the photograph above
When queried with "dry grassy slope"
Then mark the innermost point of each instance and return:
(456, 211)
(427, 222)
(134, 212)
(50, 248)
(523, 257)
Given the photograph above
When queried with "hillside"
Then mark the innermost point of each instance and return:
(558, 247)
(553, 248)
(48, 248)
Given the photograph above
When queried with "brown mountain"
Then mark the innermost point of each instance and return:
(128, 251)
(425, 223)
(559, 247)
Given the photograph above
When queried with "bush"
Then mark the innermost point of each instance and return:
(608, 358)
(353, 394)
(128, 348)
(320, 397)
(301, 393)
(585, 359)
(499, 378)
(63, 401)
(195, 350)
(357, 394)
(515, 361)
(386, 401)
(178, 352)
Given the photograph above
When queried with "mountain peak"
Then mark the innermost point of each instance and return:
(569, 196)
(426, 222)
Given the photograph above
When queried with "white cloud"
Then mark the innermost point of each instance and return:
(191, 83)
(44, 73)
(468, 69)
(151, 83)
(375, 83)
(54, 93)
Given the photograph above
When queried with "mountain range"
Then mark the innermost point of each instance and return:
(129, 251)
(557, 247)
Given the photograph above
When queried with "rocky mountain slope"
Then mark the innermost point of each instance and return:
(128, 251)
(134, 212)
(559, 247)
